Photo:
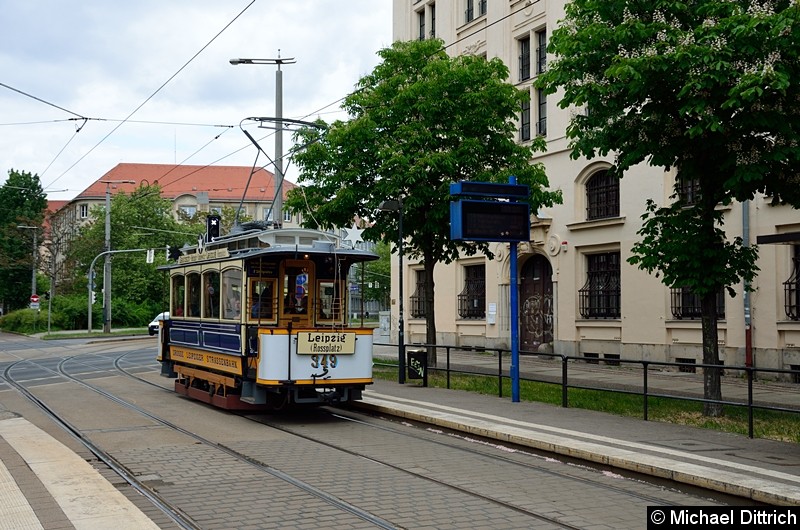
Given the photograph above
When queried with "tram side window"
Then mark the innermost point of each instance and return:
(193, 301)
(211, 293)
(330, 302)
(262, 299)
(178, 295)
(232, 293)
(295, 291)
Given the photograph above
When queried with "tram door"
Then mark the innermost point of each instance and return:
(297, 290)
(536, 303)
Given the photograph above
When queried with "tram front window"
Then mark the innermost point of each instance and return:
(295, 291)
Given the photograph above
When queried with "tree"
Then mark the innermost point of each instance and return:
(378, 275)
(708, 87)
(22, 203)
(141, 220)
(419, 121)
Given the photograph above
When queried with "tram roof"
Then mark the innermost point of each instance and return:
(268, 242)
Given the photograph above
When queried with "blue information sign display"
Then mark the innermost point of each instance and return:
(489, 221)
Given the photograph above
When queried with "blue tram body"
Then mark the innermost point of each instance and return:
(258, 319)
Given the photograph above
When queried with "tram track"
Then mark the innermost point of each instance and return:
(495, 453)
(99, 365)
(182, 520)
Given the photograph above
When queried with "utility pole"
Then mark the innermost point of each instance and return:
(277, 204)
(107, 248)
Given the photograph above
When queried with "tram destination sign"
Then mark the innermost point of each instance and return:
(321, 343)
(489, 221)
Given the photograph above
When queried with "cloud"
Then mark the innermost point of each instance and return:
(102, 60)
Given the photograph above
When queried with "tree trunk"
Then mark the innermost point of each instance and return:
(430, 316)
(712, 382)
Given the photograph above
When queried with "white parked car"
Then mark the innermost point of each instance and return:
(153, 326)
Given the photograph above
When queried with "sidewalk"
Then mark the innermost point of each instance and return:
(762, 470)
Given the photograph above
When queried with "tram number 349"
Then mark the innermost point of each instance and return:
(325, 361)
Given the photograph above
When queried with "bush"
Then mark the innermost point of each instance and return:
(24, 321)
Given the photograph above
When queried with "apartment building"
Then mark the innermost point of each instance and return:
(578, 294)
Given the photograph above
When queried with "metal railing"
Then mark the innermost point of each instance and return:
(644, 389)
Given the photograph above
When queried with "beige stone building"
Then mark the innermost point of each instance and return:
(578, 294)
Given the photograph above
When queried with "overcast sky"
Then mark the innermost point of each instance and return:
(102, 59)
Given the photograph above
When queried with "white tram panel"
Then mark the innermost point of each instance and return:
(344, 356)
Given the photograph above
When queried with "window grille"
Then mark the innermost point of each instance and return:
(525, 121)
(602, 196)
(685, 305)
(524, 58)
(791, 287)
(421, 20)
(472, 299)
(688, 190)
(541, 123)
(418, 298)
(600, 296)
(541, 52)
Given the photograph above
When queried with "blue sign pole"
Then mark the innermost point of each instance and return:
(514, 318)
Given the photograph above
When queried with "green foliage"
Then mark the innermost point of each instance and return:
(702, 263)
(141, 220)
(707, 86)
(378, 275)
(420, 121)
(22, 203)
(24, 321)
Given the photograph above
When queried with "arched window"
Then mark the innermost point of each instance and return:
(193, 289)
(211, 294)
(602, 196)
(178, 296)
(232, 294)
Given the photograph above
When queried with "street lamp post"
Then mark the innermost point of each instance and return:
(277, 204)
(397, 206)
(107, 266)
(35, 252)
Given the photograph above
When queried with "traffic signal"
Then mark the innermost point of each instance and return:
(212, 227)
(47, 295)
(94, 297)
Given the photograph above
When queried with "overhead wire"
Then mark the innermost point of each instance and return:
(154, 93)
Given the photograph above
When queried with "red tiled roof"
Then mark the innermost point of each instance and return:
(54, 206)
(222, 183)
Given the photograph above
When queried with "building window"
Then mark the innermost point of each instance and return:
(524, 58)
(217, 210)
(469, 13)
(525, 121)
(600, 295)
(541, 122)
(84, 211)
(685, 305)
(421, 22)
(541, 51)
(791, 287)
(187, 211)
(472, 299)
(602, 196)
(481, 7)
(433, 20)
(287, 216)
(418, 298)
(268, 213)
(688, 190)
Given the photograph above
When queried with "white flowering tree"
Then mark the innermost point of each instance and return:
(709, 87)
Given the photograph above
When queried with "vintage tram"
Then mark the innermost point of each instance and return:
(259, 320)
